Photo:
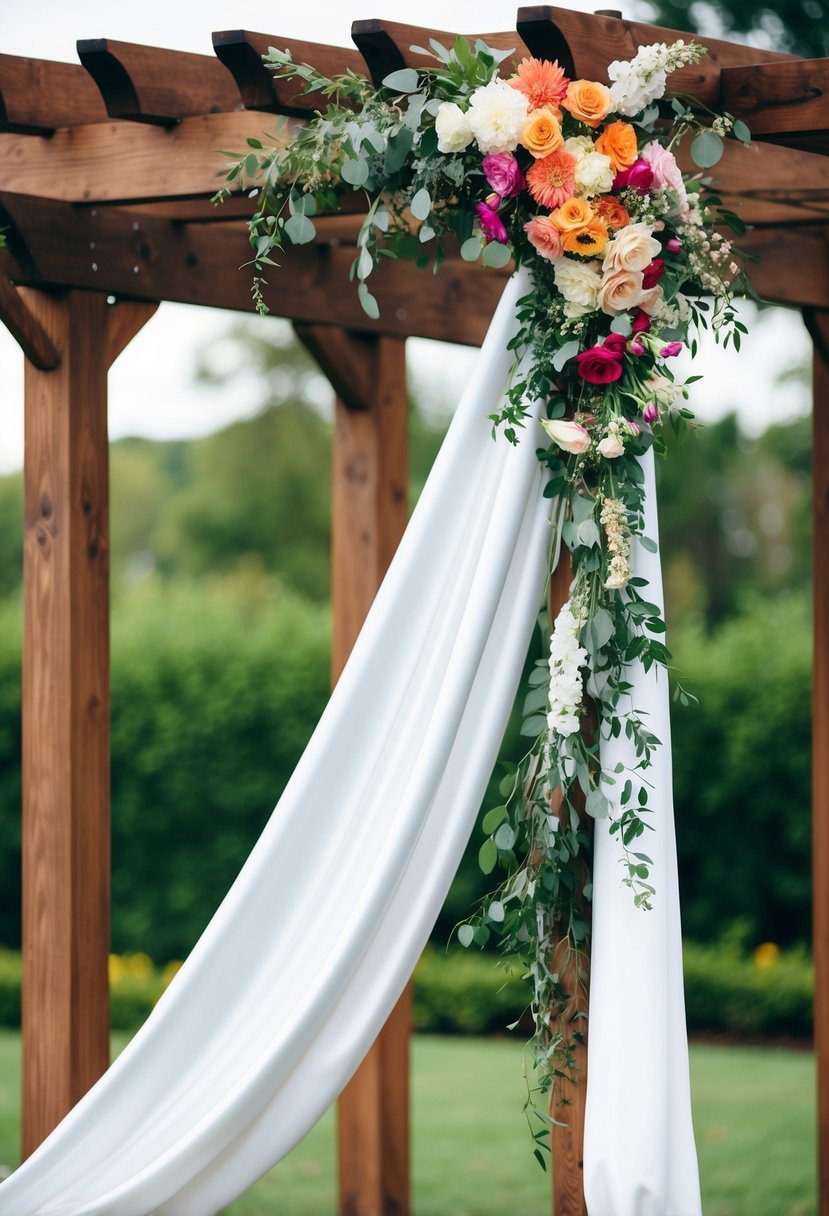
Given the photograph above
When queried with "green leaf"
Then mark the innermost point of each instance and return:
(254, 143)
(471, 248)
(397, 149)
(465, 935)
(740, 131)
(402, 81)
(596, 804)
(647, 543)
(354, 172)
(588, 534)
(488, 856)
(369, 304)
(505, 837)
(493, 819)
(495, 911)
(565, 352)
(365, 264)
(496, 254)
(251, 164)
(706, 149)
(531, 727)
(621, 324)
(421, 204)
(299, 229)
(601, 628)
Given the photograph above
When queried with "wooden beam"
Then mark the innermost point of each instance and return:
(818, 325)
(585, 43)
(25, 327)
(369, 513)
(155, 85)
(125, 319)
(37, 95)
(142, 257)
(65, 716)
(345, 358)
(787, 102)
(793, 267)
(241, 52)
(112, 162)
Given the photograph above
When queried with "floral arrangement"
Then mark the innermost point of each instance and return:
(576, 180)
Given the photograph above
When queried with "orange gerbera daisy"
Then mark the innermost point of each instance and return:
(542, 82)
(610, 210)
(589, 240)
(552, 179)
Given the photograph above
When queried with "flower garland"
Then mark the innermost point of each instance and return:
(576, 180)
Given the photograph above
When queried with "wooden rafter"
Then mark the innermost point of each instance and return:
(782, 102)
(37, 95)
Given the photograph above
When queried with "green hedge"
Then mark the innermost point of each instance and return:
(472, 993)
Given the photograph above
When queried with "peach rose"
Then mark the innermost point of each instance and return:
(631, 249)
(650, 300)
(544, 237)
(542, 133)
(588, 101)
(618, 141)
(572, 215)
(568, 435)
(620, 290)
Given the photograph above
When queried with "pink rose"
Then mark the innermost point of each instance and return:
(653, 273)
(670, 349)
(544, 237)
(666, 171)
(504, 174)
(674, 245)
(650, 413)
(639, 177)
(568, 435)
(615, 343)
(599, 365)
(641, 322)
(491, 224)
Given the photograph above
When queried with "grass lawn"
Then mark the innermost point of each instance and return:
(753, 1109)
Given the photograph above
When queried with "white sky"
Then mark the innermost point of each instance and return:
(151, 389)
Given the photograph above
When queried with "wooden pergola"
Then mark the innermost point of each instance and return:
(106, 171)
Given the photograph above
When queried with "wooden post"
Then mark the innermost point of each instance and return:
(567, 1105)
(370, 509)
(818, 324)
(66, 705)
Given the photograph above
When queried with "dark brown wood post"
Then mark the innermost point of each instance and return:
(818, 324)
(66, 704)
(567, 1103)
(370, 509)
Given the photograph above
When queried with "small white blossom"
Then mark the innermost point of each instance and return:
(567, 658)
(639, 81)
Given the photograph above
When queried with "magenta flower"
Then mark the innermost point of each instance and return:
(641, 322)
(670, 349)
(639, 177)
(637, 346)
(674, 244)
(599, 365)
(652, 274)
(491, 223)
(650, 413)
(615, 343)
(504, 174)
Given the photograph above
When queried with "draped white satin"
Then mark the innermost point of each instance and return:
(639, 1154)
(306, 956)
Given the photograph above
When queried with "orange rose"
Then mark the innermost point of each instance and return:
(572, 215)
(542, 134)
(588, 101)
(610, 210)
(589, 240)
(618, 141)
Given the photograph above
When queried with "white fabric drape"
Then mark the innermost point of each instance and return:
(306, 956)
(639, 1155)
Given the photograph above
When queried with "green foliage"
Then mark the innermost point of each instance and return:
(798, 26)
(729, 993)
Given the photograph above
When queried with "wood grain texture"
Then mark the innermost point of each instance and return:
(818, 324)
(585, 43)
(26, 328)
(241, 52)
(369, 513)
(124, 320)
(38, 95)
(65, 716)
(154, 84)
(567, 1105)
(786, 102)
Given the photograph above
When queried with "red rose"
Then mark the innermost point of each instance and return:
(615, 343)
(599, 365)
(641, 322)
(653, 273)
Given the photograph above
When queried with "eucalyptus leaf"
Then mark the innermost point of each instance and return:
(493, 819)
(565, 353)
(588, 534)
(596, 804)
(471, 248)
(496, 255)
(505, 837)
(465, 935)
(647, 543)
(740, 131)
(402, 81)
(421, 204)
(533, 726)
(365, 264)
(299, 229)
(581, 507)
(369, 304)
(488, 856)
(621, 324)
(707, 149)
(601, 628)
(355, 172)
(397, 149)
(495, 911)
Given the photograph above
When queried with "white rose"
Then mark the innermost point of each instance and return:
(594, 175)
(568, 435)
(497, 114)
(620, 291)
(633, 248)
(611, 447)
(452, 127)
(579, 282)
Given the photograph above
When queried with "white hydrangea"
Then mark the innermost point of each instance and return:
(567, 658)
(593, 173)
(580, 283)
(639, 81)
(452, 127)
(497, 114)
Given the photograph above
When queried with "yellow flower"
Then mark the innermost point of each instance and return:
(766, 954)
(139, 965)
(589, 239)
(117, 968)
